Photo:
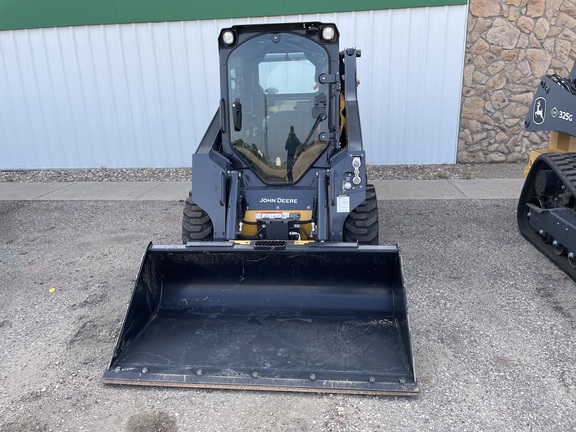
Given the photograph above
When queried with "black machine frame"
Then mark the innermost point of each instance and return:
(229, 186)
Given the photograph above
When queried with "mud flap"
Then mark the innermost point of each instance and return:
(311, 318)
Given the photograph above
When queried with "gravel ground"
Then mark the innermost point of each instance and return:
(375, 172)
(493, 325)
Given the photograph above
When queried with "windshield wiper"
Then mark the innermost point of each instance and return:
(321, 116)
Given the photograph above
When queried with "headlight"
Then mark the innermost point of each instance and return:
(328, 33)
(228, 37)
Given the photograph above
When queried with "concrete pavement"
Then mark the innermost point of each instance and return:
(449, 189)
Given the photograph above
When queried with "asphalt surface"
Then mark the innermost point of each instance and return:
(493, 321)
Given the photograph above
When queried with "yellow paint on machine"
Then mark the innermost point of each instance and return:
(559, 143)
(250, 229)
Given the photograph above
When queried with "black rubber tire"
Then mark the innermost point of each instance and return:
(196, 224)
(361, 225)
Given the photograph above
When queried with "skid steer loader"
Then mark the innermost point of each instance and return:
(281, 284)
(547, 204)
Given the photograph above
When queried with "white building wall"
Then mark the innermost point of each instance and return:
(142, 95)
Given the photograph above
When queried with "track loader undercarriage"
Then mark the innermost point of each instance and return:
(546, 210)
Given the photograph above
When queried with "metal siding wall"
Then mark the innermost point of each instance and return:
(410, 99)
(142, 95)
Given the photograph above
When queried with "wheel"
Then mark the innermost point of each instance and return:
(572, 259)
(558, 248)
(196, 224)
(361, 225)
(546, 183)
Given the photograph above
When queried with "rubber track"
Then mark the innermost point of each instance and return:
(564, 165)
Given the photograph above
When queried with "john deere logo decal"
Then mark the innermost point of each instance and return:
(539, 110)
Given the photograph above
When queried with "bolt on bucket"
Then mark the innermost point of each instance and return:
(312, 318)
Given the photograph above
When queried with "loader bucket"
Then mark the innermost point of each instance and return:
(312, 318)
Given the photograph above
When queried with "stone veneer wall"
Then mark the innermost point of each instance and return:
(510, 45)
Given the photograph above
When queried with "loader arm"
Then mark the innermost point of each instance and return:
(211, 169)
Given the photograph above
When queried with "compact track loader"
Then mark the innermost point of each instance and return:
(547, 207)
(281, 283)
